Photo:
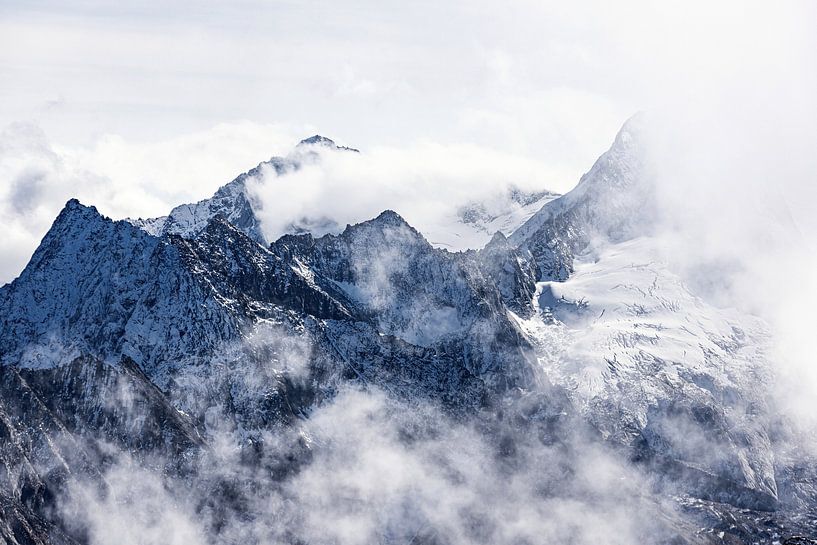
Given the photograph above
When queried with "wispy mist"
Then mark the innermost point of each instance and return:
(379, 472)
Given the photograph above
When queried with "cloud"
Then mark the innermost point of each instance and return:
(556, 80)
(735, 175)
(377, 471)
(26, 190)
(426, 183)
(381, 471)
(134, 507)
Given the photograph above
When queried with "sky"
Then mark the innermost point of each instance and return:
(136, 107)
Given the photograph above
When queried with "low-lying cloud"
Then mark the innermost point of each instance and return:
(378, 471)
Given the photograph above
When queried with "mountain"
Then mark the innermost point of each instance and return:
(564, 365)
(612, 202)
(643, 356)
(233, 200)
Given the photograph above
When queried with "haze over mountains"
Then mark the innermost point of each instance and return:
(533, 368)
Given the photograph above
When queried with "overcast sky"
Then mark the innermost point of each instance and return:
(139, 107)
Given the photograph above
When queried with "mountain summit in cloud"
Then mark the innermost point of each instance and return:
(319, 140)
(359, 383)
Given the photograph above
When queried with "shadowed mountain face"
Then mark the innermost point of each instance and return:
(173, 341)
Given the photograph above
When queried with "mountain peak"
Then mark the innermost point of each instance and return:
(73, 205)
(75, 211)
(609, 198)
(318, 140)
(498, 241)
(390, 217)
(387, 222)
(498, 238)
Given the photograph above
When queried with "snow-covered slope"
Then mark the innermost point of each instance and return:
(472, 225)
(675, 380)
(612, 202)
(95, 286)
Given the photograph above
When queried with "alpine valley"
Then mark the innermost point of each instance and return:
(533, 371)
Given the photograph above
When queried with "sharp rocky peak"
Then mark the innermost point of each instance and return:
(318, 140)
(388, 226)
(390, 217)
(234, 200)
(74, 210)
(499, 239)
(77, 222)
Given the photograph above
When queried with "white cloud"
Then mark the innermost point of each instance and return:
(378, 471)
(425, 182)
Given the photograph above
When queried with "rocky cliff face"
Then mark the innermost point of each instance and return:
(151, 336)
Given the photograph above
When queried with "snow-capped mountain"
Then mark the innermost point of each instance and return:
(234, 201)
(612, 202)
(566, 331)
